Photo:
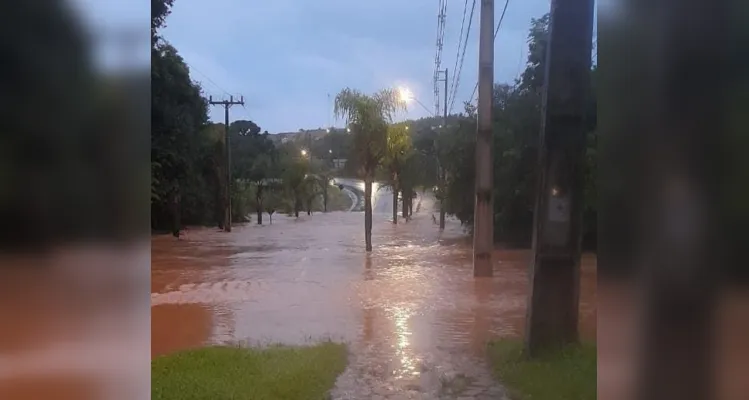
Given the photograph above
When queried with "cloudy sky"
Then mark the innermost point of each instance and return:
(286, 56)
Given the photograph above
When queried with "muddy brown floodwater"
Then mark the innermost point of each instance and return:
(416, 320)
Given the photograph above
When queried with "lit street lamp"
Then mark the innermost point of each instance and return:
(407, 96)
(304, 153)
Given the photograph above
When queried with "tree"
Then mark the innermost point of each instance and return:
(253, 161)
(188, 164)
(294, 179)
(324, 179)
(309, 191)
(272, 202)
(368, 118)
(516, 111)
(179, 145)
(320, 174)
(397, 151)
(412, 174)
(261, 172)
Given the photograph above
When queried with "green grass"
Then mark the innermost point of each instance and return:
(238, 373)
(569, 374)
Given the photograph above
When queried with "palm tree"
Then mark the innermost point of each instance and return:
(368, 118)
(396, 153)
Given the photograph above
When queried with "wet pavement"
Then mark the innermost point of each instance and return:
(415, 319)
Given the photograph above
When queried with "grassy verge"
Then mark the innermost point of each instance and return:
(567, 375)
(237, 373)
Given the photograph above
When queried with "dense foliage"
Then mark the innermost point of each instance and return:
(188, 156)
(517, 127)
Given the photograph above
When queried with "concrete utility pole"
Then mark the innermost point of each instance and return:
(555, 272)
(227, 153)
(441, 177)
(483, 214)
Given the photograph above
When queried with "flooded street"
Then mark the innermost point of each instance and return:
(416, 320)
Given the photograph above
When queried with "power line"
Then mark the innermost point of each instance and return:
(192, 68)
(496, 31)
(460, 43)
(462, 58)
(245, 112)
(441, 17)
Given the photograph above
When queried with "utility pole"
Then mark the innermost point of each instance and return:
(483, 214)
(227, 154)
(441, 177)
(555, 270)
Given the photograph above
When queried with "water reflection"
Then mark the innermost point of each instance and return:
(400, 317)
(412, 312)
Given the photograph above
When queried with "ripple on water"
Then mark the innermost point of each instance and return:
(414, 316)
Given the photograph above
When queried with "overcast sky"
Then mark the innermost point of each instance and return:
(286, 56)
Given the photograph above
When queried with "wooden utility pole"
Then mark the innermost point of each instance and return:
(483, 214)
(227, 154)
(441, 177)
(555, 271)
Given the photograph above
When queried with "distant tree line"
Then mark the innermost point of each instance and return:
(188, 164)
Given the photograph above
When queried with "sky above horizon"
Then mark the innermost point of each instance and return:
(289, 57)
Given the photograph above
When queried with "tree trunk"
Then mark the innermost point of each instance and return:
(404, 205)
(175, 211)
(270, 217)
(395, 205)
(259, 202)
(297, 206)
(410, 203)
(325, 197)
(368, 212)
(442, 214)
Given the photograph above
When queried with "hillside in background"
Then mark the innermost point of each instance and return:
(301, 136)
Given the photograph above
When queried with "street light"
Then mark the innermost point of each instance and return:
(304, 153)
(407, 96)
(348, 130)
(330, 151)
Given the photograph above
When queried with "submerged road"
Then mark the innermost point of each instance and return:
(415, 318)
